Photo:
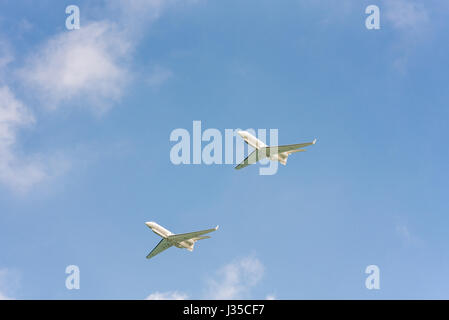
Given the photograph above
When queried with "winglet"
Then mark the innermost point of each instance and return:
(216, 228)
(314, 141)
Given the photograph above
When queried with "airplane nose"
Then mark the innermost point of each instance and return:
(241, 133)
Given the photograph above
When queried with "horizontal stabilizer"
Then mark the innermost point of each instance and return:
(293, 151)
(201, 238)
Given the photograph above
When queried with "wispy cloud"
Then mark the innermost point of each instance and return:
(134, 15)
(18, 171)
(4, 297)
(170, 295)
(409, 238)
(8, 283)
(6, 55)
(15, 172)
(235, 280)
(412, 23)
(406, 15)
(159, 76)
(403, 232)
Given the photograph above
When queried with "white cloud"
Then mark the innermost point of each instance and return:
(17, 173)
(170, 295)
(235, 280)
(85, 65)
(91, 66)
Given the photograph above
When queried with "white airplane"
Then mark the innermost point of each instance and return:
(278, 153)
(182, 240)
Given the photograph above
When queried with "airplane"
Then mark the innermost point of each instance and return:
(182, 240)
(278, 153)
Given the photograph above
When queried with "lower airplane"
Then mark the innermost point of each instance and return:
(182, 240)
(277, 153)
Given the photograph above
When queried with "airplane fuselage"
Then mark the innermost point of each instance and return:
(258, 144)
(164, 233)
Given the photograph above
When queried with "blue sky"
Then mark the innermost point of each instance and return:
(85, 120)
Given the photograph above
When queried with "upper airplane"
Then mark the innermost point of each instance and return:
(278, 153)
(182, 240)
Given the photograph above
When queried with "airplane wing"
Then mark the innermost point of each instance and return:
(255, 156)
(287, 148)
(187, 236)
(161, 246)
(265, 152)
